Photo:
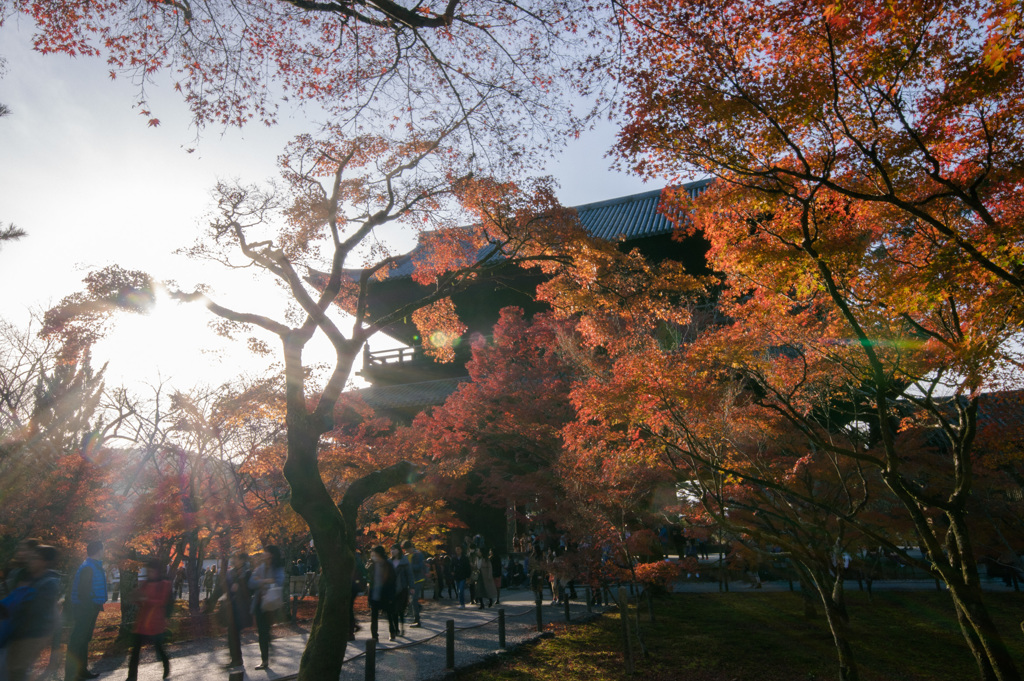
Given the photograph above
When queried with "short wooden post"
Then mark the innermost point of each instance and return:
(501, 628)
(624, 616)
(449, 651)
(590, 598)
(371, 659)
(565, 602)
(540, 614)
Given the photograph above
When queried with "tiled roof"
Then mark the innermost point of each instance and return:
(628, 217)
(410, 395)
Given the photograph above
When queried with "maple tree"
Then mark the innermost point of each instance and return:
(54, 465)
(892, 106)
(187, 483)
(363, 442)
(865, 222)
(500, 443)
(379, 63)
(495, 442)
(741, 466)
(342, 192)
(827, 344)
(421, 103)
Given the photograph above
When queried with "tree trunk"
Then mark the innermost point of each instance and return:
(959, 572)
(841, 638)
(323, 656)
(982, 636)
(333, 527)
(129, 605)
(193, 563)
(328, 635)
(838, 622)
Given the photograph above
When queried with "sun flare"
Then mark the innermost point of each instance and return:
(171, 342)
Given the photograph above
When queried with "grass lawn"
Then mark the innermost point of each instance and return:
(897, 636)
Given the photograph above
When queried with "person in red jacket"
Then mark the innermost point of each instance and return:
(153, 596)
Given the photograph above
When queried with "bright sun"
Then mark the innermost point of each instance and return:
(174, 343)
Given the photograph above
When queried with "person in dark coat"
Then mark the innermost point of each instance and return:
(418, 561)
(382, 591)
(461, 571)
(495, 560)
(359, 585)
(234, 585)
(448, 565)
(404, 580)
(269, 573)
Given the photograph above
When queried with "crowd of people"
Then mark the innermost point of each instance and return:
(38, 604)
(251, 595)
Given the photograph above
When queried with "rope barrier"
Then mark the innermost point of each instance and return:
(477, 626)
(412, 644)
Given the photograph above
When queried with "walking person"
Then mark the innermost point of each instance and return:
(461, 571)
(437, 564)
(403, 584)
(448, 565)
(267, 585)
(88, 594)
(495, 559)
(418, 561)
(382, 591)
(115, 583)
(485, 582)
(234, 586)
(474, 575)
(28, 615)
(359, 583)
(537, 575)
(179, 583)
(154, 599)
(210, 580)
(297, 585)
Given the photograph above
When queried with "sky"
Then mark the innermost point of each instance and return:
(93, 185)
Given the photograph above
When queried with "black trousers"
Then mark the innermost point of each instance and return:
(389, 611)
(158, 643)
(234, 644)
(401, 605)
(264, 620)
(83, 622)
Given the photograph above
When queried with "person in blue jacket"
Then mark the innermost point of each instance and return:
(28, 614)
(88, 594)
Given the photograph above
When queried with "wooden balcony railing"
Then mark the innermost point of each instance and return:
(392, 357)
